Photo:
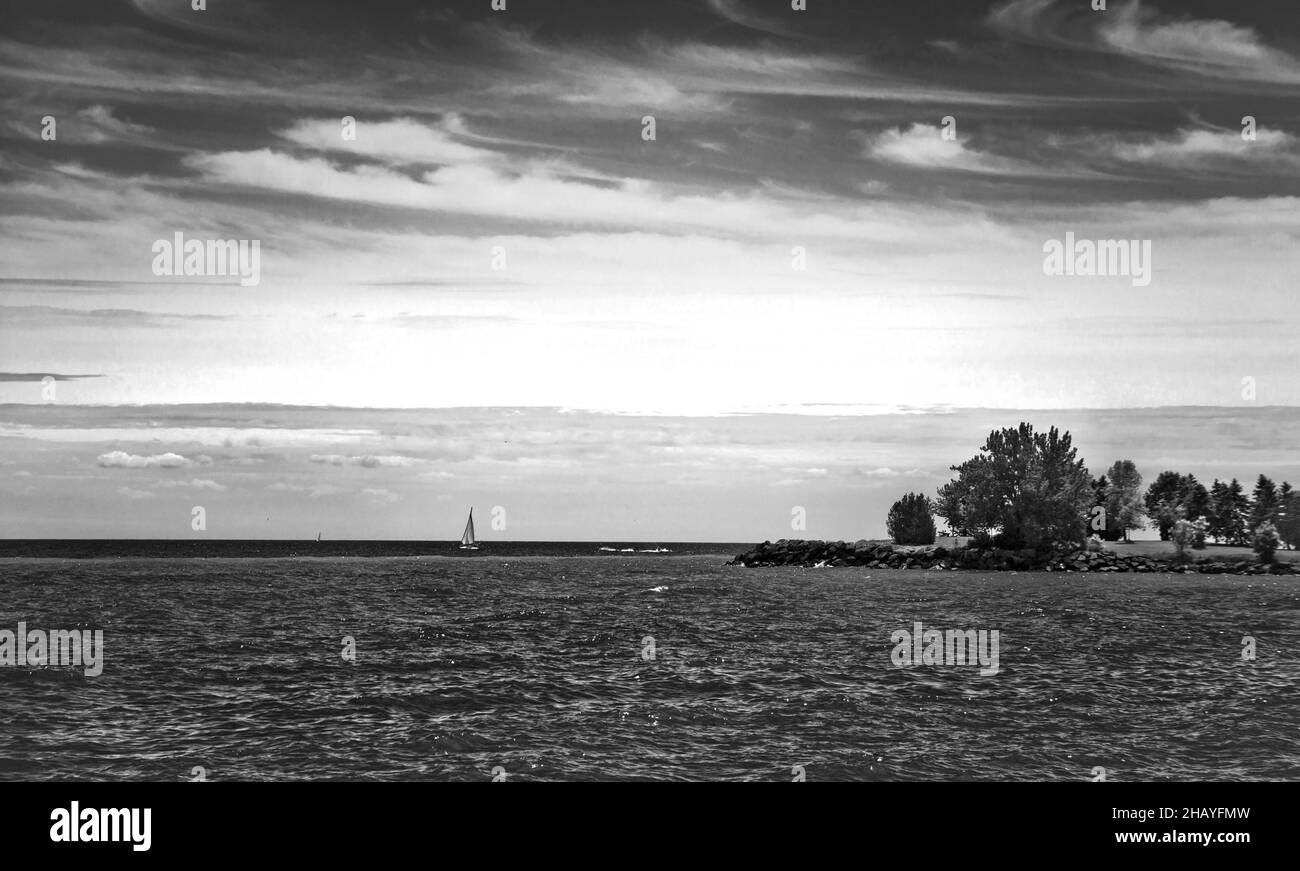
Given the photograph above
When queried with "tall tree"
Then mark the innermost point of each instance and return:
(1194, 498)
(1216, 516)
(1236, 514)
(1288, 523)
(1110, 531)
(1124, 505)
(1030, 487)
(1099, 488)
(1264, 504)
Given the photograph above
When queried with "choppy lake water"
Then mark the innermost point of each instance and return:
(536, 666)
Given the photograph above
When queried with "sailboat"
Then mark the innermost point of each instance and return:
(467, 541)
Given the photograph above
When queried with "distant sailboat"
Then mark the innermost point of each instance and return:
(318, 536)
(467, 541)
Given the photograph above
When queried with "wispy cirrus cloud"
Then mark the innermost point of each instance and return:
(369, 461)
(397, 140)
(193, 484)
(41, 376)
(742, 13)
(96, 124)
(1212, 45)
(1212, 48)
(314, 491)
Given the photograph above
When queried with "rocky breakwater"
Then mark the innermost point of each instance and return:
(801, 552)
(884, 555)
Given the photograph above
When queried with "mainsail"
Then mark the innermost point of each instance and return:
(467, 540)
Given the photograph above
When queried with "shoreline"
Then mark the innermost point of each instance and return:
(813, 553)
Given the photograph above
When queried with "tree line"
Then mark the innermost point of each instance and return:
(1030, 490)
(1223, 513)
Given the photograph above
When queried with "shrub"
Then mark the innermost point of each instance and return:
(1094, 544)
(1009, 539)
(911, 520)
(1199, 528)
(1266, 542)
(1183, 534)
(981, 541)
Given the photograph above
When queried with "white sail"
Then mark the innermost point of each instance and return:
(467, 539)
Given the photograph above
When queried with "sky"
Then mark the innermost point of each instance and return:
(838, 227)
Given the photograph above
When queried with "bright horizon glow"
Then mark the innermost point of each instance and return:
(499, 233)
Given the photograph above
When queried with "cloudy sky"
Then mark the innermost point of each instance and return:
(501, 236)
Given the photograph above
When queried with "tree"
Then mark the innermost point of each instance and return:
(1264, 503)
(1124, 506)
(947, 507)
(911, 520)
(1236, 510)
(1029, 486)
(1194, 498)
(1216, 514)
(1162, 501)
(1110, 531)
(1288, 522)
(1266, 542)
(1175, 497)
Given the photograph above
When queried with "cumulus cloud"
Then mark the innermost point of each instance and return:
(129, 493)
(379, 494)
(924, 146)
(1197, 146)
(123, 460)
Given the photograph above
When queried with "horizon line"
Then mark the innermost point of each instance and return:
(809, 409)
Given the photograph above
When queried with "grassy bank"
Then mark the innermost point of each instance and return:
(1165, 550)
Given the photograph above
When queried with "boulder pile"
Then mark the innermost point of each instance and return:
(884, 555)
